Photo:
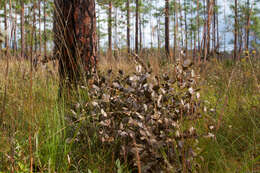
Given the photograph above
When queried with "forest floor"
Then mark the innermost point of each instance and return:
(33, 123)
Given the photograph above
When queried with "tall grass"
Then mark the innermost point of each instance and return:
(30, 112)
(231, 91)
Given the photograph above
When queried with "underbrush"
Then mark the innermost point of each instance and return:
(35, 126)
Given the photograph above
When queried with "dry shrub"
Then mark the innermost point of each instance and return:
(151, 117)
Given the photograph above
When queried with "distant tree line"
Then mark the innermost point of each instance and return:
(190, 25)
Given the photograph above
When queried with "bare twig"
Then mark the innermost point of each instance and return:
(137, 157)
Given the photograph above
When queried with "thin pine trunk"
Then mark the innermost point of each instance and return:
(128, 26)
(181, 24)
(40, 34)
(205, 26)
(99, 34)
(194, 35)
(32, 34)
(208, 36)
(44, 29)
(5, 21)
(209, 6)
(198, 25)
(15, 34)
(214, 25)
(248, 24)
(11, 21)
(236, 31)
(167, 32)
(176, 32)
(27, 33)
(110, 28)
(136, 25)
(22, 28)
(217, 14)
(158, 34)
(224, 37)
(186, 26)
(34, 26)
(140, 34)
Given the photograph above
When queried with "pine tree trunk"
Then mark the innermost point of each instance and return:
(181, 24)
(209, 6)
(26, 33)
(40, 34)
(11, 21)
(110, 29)
(32, 35)
(198, 25)
(99, 32)
(175, 31)
(140, 34)
(214, 25)
(136, 25)
(15, 34)
(236, 32)
(208, 36)
(5, 21)
(217, 13)
(44, 29)
(158, 34)
(248, 24)
(22, 28)
(128, 25)
(224, 37)
(75, 40)
(34, 27)
(167, 32)
(186, 26)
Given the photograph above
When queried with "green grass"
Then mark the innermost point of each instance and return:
(31, 111)
(232, 91)
(35, 112)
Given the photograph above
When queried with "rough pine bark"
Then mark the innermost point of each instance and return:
(75, 39)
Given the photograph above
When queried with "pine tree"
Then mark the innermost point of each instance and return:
(75, 39)
(167, 32)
